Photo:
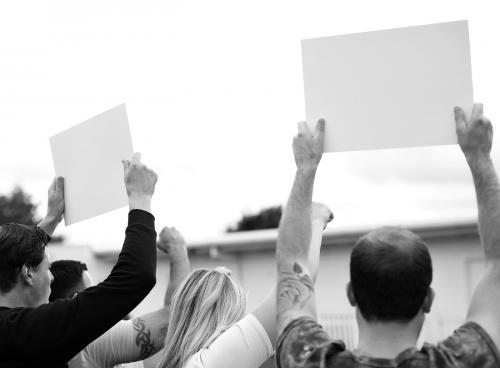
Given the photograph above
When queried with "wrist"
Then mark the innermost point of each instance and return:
(139, 203)
(52, 218)
(478, 160)
(307, 170)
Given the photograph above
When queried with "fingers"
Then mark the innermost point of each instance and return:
(477, 111)
(59, 183)
(126, 165)
(320, 127)
(459, 118)
(136, 158)
(303, 128)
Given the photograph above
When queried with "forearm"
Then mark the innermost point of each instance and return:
(295, 286)
(178, 272)
(49, 224)
(488, 200)
(295, 226)
(315, 247)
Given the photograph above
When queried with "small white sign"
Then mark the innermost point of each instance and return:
(390, 88)
(89, 157)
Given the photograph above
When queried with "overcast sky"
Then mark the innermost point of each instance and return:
(213, 92)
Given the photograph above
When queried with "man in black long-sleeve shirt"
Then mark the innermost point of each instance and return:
(34, 333)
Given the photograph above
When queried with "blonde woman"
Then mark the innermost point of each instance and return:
(208, 327)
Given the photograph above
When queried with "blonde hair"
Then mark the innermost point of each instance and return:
(206, 304)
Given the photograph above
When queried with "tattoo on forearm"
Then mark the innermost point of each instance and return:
(143, 338)
(295, 288)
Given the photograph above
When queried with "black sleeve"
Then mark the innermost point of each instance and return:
(303, 344)
(64, 327)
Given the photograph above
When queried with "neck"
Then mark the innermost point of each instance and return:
(14, 299)
(387, 339)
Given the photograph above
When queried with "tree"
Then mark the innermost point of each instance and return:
(267, 218)
(18, 207)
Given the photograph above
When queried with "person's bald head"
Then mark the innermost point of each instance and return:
(391, 273)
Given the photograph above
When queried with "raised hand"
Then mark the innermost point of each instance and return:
(475, 137)
(321, 213)
(55, 206)
(308, 146)
(140, 183)
(172, 243)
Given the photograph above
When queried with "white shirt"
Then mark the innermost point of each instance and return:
(115, 345)
(244, 345)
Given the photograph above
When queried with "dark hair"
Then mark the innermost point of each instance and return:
(391, 272)
(19, 245)
(68, 275)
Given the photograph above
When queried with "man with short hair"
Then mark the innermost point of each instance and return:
(35, 333)
(70, 278)
(131, 340)
(391, 274)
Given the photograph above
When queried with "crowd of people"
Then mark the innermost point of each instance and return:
(51, 314)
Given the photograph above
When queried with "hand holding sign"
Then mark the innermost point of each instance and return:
(140, 183)
(308, 146)
(93, 149)
(475, 137)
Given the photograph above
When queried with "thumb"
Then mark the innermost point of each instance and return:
(459, 118)
(60, 183)
(126, 165)
(319, 131)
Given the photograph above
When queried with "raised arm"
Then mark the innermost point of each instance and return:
(173, 244)
(55, 206)
(266, 311)
(295, 290)
(71, 324)
(143, 336)
(150, 329)
(475, 139)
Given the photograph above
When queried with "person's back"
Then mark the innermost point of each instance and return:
(391, 273)
(468, 346)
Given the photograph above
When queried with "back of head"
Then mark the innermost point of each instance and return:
(206, 304)
(19, 245)
(68, 279)
(391, 273)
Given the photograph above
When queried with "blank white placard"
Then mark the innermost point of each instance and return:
(89, 157)
(390, 88)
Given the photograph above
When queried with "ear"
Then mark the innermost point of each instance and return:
(350, 294)
(429, 298)
(27, 274)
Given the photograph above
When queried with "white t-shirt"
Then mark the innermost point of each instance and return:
(244, 345)
(115, 345)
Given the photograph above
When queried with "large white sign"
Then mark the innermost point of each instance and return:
(89, 157)
(390, 88)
